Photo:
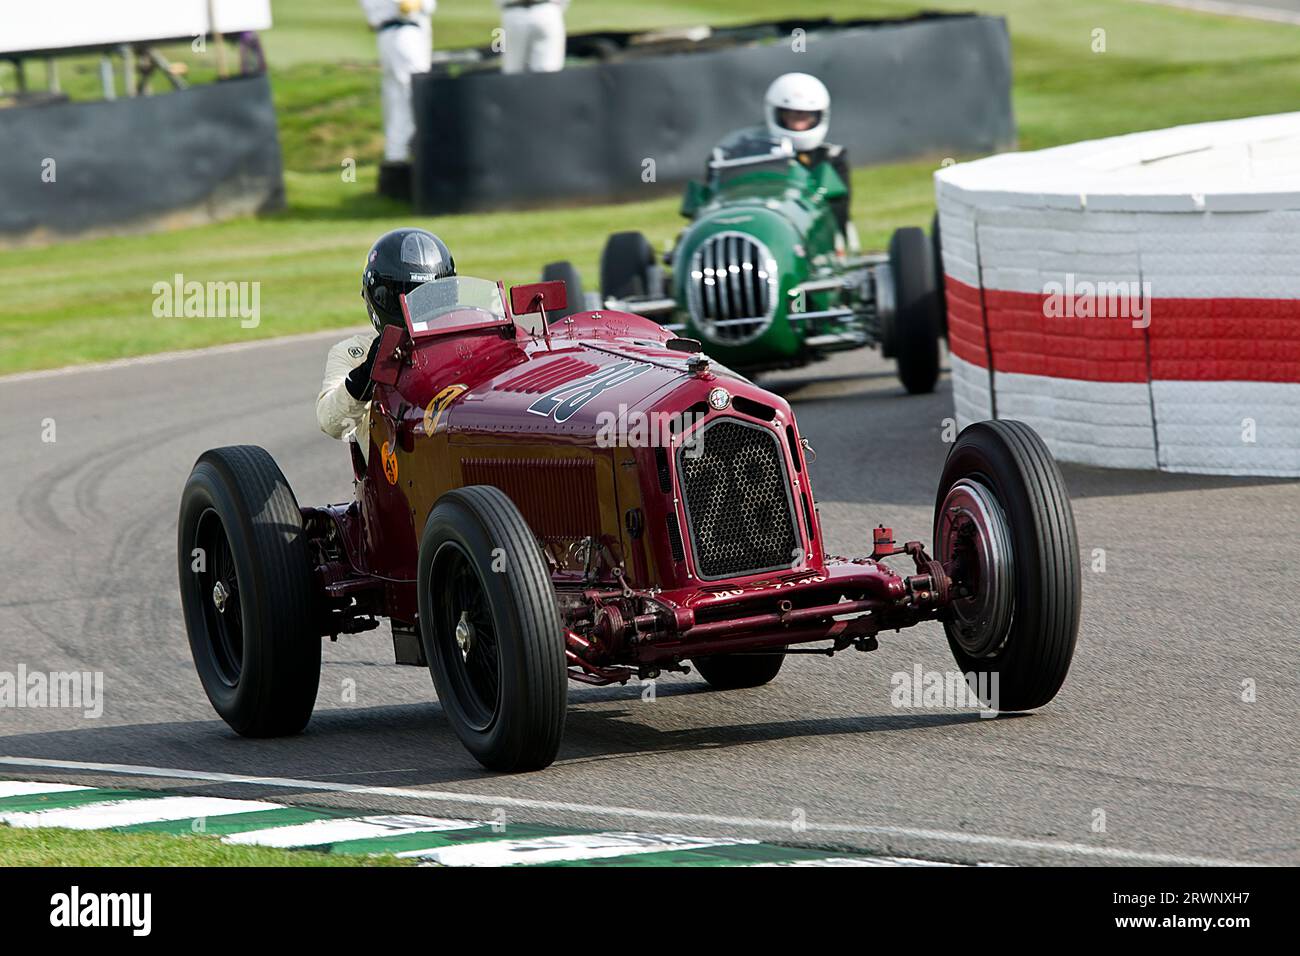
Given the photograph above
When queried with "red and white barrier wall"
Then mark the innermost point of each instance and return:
(1135, 299)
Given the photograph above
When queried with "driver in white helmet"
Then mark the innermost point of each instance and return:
(798, 109)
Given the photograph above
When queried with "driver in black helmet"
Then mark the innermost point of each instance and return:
(398, 262)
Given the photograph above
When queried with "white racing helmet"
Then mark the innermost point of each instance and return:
(788, 99)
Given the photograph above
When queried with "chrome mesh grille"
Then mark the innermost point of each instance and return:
(732, 288)
(738, 505)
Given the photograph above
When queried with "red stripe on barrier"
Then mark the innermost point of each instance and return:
(1024, 339)
(1225, 340)
(966, 338)
(1209, 340)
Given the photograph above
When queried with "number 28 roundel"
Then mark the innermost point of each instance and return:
(562, 402)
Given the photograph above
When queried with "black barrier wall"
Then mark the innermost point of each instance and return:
(931, 86)
(180, 158)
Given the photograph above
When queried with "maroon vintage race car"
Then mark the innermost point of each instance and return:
(595, 500)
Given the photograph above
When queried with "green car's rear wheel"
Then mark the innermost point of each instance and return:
(936, 245)
(917, 323)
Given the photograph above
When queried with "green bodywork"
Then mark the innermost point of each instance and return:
(787, 210)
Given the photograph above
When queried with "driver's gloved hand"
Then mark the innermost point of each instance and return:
(358, 382)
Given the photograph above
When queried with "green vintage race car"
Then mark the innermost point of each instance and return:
(764, 277)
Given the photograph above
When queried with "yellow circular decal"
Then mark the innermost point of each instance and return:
(439, 404)
(388, 455)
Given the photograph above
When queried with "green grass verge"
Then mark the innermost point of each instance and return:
(92, 300)
(57, 847)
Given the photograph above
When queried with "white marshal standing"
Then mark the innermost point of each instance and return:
(404, 32)
(535, 37)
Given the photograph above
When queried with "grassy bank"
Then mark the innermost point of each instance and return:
(55, 847)
(93, 300)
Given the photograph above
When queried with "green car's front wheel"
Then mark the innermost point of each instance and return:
(564, 271)
(625, 266)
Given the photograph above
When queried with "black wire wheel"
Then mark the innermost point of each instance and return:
(466, 635)
(246, 592)
(1004, 527)
(491, 630)
(222, 614)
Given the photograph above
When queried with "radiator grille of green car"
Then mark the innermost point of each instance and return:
(732, 288)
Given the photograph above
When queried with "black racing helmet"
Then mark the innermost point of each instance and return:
(398, 262)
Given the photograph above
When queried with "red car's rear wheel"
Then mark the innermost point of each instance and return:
(735, 671)
(246, 592)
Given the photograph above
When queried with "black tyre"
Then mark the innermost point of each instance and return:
(625, 266)
(1003, 518)
(916, 319)
(566, 272)
(247, 593)
(887, 318)
(936, 247)
(734, 671)
(491, 630)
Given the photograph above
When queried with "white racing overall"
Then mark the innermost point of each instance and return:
(534, 35)
(405, 47)
(337, 412)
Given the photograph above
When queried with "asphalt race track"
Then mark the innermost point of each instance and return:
(1197, 597)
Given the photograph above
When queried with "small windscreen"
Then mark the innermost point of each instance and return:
(454, 302)
(773, 167)
(747, 156)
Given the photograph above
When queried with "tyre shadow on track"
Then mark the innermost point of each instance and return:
(413, 745)
(602, 735)
(1085, 481)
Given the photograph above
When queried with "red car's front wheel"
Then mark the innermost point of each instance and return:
(1004, 526)
(491, 630)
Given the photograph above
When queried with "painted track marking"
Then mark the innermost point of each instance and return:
(121, 813)
(321, 832)
(431, 841)
(856, 861)
(705, 819)
(25, 788)
(556, 849)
